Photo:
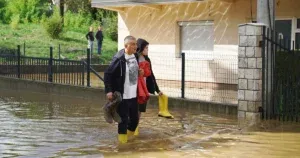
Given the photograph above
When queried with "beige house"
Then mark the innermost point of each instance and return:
(206, 30)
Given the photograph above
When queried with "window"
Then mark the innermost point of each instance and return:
(197, 39)
(289, 30)
(297, 35)
(284, 29)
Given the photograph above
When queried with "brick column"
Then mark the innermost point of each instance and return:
(250, 72)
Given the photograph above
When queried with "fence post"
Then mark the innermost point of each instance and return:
(82, 74)
(88, 67)
(58, 51)
(182, 74)
(19, 62)
(50, 73)
(263, 51)
(24, 48)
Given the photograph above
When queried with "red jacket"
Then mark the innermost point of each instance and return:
(143, 94)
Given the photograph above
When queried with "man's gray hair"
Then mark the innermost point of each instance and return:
(128, 38)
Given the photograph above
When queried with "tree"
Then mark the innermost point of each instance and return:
(78, 5)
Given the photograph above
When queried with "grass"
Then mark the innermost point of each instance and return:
(73, 44)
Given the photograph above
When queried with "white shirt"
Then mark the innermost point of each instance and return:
(131, 77)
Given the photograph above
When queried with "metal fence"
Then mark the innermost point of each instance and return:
(59, 52)
(72, 72)
(281, 78)
(213, 80)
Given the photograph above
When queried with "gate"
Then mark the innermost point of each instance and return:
(281, 77)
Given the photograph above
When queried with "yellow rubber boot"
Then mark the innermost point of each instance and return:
(122, 138)
(136, 132)
(130, 133)
(160, 105)
(167, 113)
(163, 107)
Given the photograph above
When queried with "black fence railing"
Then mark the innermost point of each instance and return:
(71, 72)
(281, 77)
(59, 52)
(9, 65)
(68, 72)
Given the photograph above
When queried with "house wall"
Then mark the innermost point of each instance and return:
(160, 28)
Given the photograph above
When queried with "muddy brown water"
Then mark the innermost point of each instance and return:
(38, 125)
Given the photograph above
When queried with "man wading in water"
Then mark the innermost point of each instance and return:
(122, 76)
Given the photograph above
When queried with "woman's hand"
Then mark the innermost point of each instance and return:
(160, 93)
(141, 72)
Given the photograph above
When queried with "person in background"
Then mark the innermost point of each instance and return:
(99, 37)
(90, 37)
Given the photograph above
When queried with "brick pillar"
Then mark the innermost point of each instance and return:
(250, 73)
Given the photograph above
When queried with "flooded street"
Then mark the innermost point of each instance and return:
(37, 125)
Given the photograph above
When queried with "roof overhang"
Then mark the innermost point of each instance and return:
(119, 5)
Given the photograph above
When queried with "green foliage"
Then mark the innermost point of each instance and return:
(76, 6)
(111, 27)
(23, 14)
(28, 10)
(43, 18)
(79, 16)
(78, 21)
(15, 20)
(2, 11)
(54, 25)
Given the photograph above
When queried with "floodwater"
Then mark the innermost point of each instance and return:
(37, 125)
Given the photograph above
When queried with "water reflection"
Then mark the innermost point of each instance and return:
(36, 125)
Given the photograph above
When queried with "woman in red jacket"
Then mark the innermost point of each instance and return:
(149, 85)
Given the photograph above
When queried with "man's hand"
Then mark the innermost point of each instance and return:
(141, 72)
(109, 96)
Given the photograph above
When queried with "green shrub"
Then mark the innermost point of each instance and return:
(28, 10)
(35, 19)
(111, 27)
(15, 20)
(43, 19)
(54, 25)
(95, 25)
(2, 11)
(77, 21)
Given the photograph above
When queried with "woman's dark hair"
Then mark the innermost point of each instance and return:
(141, 45)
